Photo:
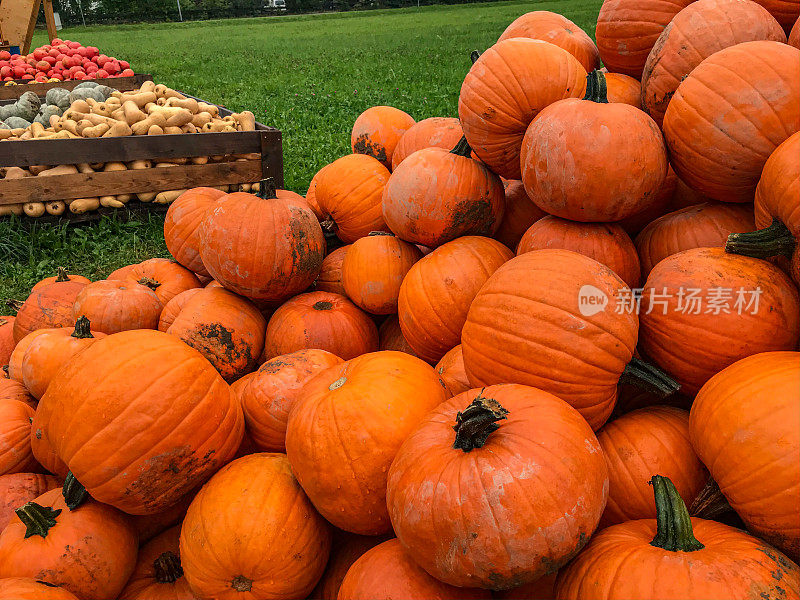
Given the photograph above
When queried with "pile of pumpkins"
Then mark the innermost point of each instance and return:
(548, 349)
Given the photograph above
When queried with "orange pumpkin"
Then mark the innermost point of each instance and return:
(701, 29)
(724, 158)
(330, 275)
(391, 337)
(703, 309)
(743, 425)
(436, 196)
(346, 549)
(60, 277)
(149, 526)
(48, 307)
(674, 556)
(270, 393)
(26, 588)
(464, 504)
(377, 131)
(114, 305)
(628, 29)
(556, 29)
(374, 268)
(323, 321)
(225, 328)
(286, 541)
(311, 195)
(451, 371)
(607, 243)
(174, 307)
(343, 469)
(15, 360)
(165, 277)
(519, 214)
(11, 389)
(794, 35)
(16, 455)
(44, 453)
(437, 292)
(434, 132)
(564, 158)
(664, 199)
(182, 223)
(175, 412)
(785, 11)
(624, 89)
(7, 342)
(505, 89)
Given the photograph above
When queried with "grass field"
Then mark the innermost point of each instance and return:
(309, 76)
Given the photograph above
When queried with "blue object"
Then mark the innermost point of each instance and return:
(14, 50)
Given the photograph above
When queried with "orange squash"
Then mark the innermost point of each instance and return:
(7, 342)
(182, 223)
(174, 307)
(794, 35)
(786, 12)
(391, 337)
(15, 360)
(519, 214)
(330, 275)
(27, 588)
(434, 132)
(114, 305)
(165, 277)
(61, 276)
(346, 549)
(311, 195)
(11, 389)
(624, 89)
(451, 371)
(16, 455)
(377, 131)
(48, 307)
(662, 204)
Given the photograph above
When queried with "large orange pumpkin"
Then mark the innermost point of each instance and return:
(628, 29)
(505, 89)
(646, 442)
(744, 427)
(158, 574)
(674, 556)
(271, 392)
(330, 275)
(175, 413)
(323, 321)
(519, 214)
(252, 533)
(7, 342)
(698, 31)
(564, 158)
(262, 247)
(165, 277)
(48, 307)
(703, 309)
(438, 290)
(624, 89)
(434, 132)
(27, 588)
(607, 243)
(346, 549)
(174, 307)
(225, 328)
(451, 371)
(377, 131)
(390, 336)
(114, 305)
(16, 455)
(18, 488)
(182, 223)
(724, 157)
(785, 11)
(61, 276)
(345, 428)
(511, 495)
(556, 29)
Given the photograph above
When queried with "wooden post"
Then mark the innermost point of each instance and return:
(52, 33)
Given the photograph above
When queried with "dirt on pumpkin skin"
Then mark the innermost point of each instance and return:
(215, 339)
(364, 145)
(470, 217)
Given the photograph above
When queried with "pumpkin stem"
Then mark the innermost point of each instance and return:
(649, 377)
(149, 282)
(14, 304)
(474, 56)
(380, 233)
(596, 87)
(322, 305)
(771, 241)
(167, 567)
(710, 502)
(61, 275)
(462, 148)
(674, 526)
(37, 519)
(74, 492)
(266, 189)
(476, 422)
(82, 328)
(242, 584)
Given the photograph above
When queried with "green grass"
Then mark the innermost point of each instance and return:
(310, 76)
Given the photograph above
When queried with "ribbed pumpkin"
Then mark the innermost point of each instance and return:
(15, 360)
(646, 442)
(182, 223)
(607, 243)
(48, 307)
(660, 206)
(7, 342)
(438, 290)
(330, 275)
(149, 526)
(556, 29)
(280, 545)
(271, 392)
(320, 320)
(374, 268)
(16, 455)
(698, 31)
(377, 131)
(311, 195)
(89, 549)
(465, 505)
(225, 328)
(624, 89)
(114, 305)
(564, 157)
(693, 344)
(49, 351)
(628, 29)
(744, 427)
(174, 307)
(434, 132)
(700, 226)
(387, 571)
(261, 246)
(674, 556)
(785, 11)
(158, 574)
(349, 192)
(794, 35)
(346, 549)
(11, 389)
(391, 337)
(44, 453)
(451, 371)
(380, 397)
(173, 409)
(165, 277)
(519, 214)
(723, 158)
(27, 588)
(61, 276)
(505, 89)
(438, 195)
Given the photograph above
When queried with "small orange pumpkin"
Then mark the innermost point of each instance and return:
(451, 371)
(377, 131)
(311, 195)
(346, 549)
(434, 132)
(11, 389)
(7, 342)
(624, 89)
(114, 305)
(165, 277)
(16, 455)
(182, 223)
(60, 277)
(174, 307)
(519, 214)
(330, 275)
(391, 337)
(27, 588)
(48, 307)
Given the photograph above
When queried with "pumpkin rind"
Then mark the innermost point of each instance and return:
(16, 455)
(330, 275)
(7, 342)
(182, 223)
(48, 307)
(519, 214)
(346, 549)
(377, 131)
(391, 337)
(624, 89)
(785, 11)
(26, 588)
(10, 389)
(165, 277)
(451, 371)
(434, 132)
(114, 305)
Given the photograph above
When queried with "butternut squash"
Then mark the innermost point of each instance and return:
(36, 169)
(154, 120)
(55, 207)
(33, 209)
(59, 170)
(146, 196)
(110, 202)
(189, 104)
(140, 98)
(82, 205)
(118, 129)
(246, 121)
(95, 131)
(132, 113)
(10, 209)
(167, 197)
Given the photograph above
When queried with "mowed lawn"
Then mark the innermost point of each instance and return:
(310, 76)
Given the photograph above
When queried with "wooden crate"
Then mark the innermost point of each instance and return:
(10, 93)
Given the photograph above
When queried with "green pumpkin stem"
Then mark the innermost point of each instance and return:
(462, 148)
(649, 377)
(674, 526)
(474, 56)
(167, 567)
(710, 503)
(37, 519)
(74, 492)
(596, 90)
(82, 328)
(475, 424)
(61, 275)
(267, 189)
(775, 240)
